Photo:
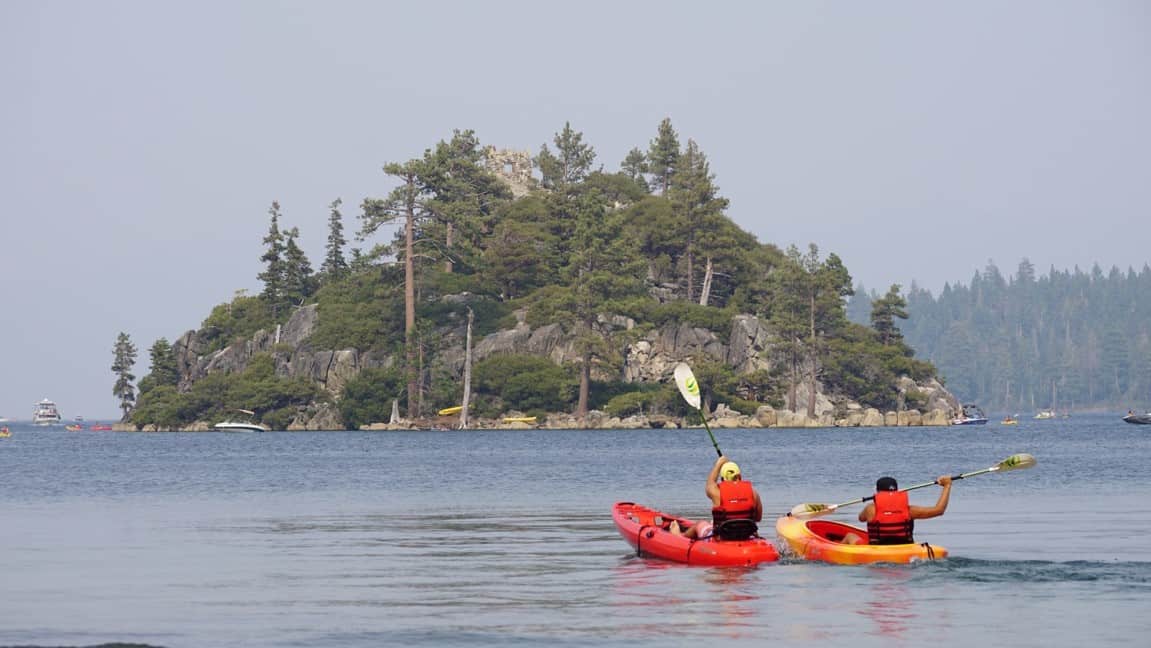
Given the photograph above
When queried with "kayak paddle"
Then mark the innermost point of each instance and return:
(1014, 462)
(689, 389)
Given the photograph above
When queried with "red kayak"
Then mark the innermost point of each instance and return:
(647, 531)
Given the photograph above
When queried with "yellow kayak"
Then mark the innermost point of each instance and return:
(843, 544)
(519, 419)
(448, 411)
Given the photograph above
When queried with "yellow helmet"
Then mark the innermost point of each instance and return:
(729, 471)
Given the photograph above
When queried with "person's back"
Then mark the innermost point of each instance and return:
(734, 502)
(891, 518)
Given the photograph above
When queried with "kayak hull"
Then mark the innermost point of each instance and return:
(825, 540)
(646, 530)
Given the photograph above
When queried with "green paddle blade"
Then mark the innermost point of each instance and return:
(688, 387)
(810, 510)
(1016, 462)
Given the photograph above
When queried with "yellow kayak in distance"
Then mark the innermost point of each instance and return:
(844, 544)
(448, 411)
(519, 419)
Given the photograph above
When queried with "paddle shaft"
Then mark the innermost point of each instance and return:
(923, 485)
(715, 445)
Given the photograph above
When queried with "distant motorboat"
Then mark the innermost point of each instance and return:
(45, 413)
(245, 425)
(1138, 419)
(972, 415)
(1045, 414)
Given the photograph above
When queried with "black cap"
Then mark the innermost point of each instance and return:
(886, 484)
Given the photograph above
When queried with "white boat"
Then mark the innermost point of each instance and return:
(971, 415)
(245, 425)
(1138, 419)
(45, 413)
(1045, 414)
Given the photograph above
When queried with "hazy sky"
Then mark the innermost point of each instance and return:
(141, 143)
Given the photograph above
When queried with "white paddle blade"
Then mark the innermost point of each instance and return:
(1017, 462)
(688, 387)
(808, 511)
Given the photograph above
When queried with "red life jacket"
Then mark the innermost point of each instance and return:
(892, 523)
(736, 502)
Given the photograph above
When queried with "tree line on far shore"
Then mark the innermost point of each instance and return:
(1065, 340)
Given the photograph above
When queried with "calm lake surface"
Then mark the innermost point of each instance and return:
(505, 538)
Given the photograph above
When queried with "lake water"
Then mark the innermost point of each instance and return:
(505, 538)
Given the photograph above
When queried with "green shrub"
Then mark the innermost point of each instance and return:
(630, 403)
(524, 382)
(745, 407)
(368, 397)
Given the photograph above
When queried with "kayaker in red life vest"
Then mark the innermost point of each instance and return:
(731, 497)
(891, 519)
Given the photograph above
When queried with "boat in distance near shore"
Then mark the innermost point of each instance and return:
(244, 425)
(972, 415)
(45, 413)
(1138, 419)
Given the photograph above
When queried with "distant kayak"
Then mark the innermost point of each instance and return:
(448, 411)
(832, 542)
(646, 530)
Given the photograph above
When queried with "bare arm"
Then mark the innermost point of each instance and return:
(867, 513)
(925, 512)
(712, 489)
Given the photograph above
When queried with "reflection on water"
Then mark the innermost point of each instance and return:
(737, 601)
(890, 606)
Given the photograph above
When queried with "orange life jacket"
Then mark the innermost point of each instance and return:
(736, 502)
(892, 523)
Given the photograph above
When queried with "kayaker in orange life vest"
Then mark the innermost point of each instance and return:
(731, 497)
(891, 519)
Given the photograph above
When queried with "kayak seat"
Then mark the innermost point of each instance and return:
(736, 530)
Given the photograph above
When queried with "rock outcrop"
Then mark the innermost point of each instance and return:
(652, 358)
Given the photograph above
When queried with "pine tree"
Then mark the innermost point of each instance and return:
(698, 206)
(335, 266)
(571, 163)
(298, 281)
(407, 203)
(124, 358)
(663, 156)
(461, 197)
(603, 266)
(884, 312)
(164, 369)
(635, 167)
(273, 274)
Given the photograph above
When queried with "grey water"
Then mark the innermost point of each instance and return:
(477, 538)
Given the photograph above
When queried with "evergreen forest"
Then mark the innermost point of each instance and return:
(1068, 340)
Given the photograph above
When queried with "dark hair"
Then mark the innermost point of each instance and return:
(886, 484)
